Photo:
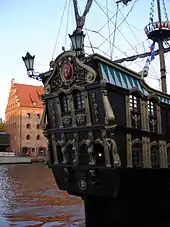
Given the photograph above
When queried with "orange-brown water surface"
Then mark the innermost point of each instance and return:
(29, 196)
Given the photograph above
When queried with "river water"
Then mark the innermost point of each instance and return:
(29, 196)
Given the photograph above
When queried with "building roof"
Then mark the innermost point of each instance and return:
(29, 95)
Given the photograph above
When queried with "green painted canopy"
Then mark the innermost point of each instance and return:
(124, 80)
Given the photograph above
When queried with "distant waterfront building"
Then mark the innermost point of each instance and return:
(23, 115)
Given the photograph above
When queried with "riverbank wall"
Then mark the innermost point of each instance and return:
(15, 160)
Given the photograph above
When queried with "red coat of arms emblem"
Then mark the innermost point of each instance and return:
(67, 71)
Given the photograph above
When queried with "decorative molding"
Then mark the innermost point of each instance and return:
(143, 116)
(144, 152)
(87, 109)
(81, 73)
(58, 109)
(106, 148)
(80, 118)
(146, 116)
(71, 108)
(95, 107)
(148, 147)
(113, 148)
(136, 118)
(53, 139)
(66, 119)
(109, 114)
(43, 121)
(158, 115)
(163, 154)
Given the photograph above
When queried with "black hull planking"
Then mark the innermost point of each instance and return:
(119, 196)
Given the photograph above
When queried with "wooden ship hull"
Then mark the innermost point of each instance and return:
(109, 132)
(109, 141)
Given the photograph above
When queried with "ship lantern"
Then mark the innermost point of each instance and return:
(77, 40)
(29, 63)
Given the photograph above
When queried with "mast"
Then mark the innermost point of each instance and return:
(161, 55)
(159, 32)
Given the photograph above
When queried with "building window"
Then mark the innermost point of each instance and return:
(28, 115)
(28, 126)
(38, 126)
(28, 137)
(38, 137)
(155, 159)
(64, 102)
(33, 149)
(78, 101)
(38, 116)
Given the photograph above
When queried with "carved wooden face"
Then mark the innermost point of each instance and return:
(67, 71)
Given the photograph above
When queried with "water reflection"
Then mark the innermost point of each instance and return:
(29, 196)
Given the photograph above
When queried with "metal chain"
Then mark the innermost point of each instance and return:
(165, 12)
(151, 12)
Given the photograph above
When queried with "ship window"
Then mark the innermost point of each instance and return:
(155, 159)
(134, 103)
(151, 108)
(137, 155)
(78, 101)
(64, 102)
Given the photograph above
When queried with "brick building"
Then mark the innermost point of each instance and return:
(23, 115)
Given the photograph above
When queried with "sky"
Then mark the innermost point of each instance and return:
(34, 26)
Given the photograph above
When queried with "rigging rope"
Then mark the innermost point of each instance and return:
(114, 35)
(68, 14)
(106, 39)
(59, 30)
(165, 12)
(108, 22)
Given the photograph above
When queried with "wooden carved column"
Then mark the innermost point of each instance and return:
(144, 152)
(129, 150)
(163, 154)
(87, 110)
(158, 113)
(146, 116)
(166, 154)
(148, 153)
(59, 116)
(106, 149)
(71, 108)
(53, 139)
(143, 114)
(128, 112)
